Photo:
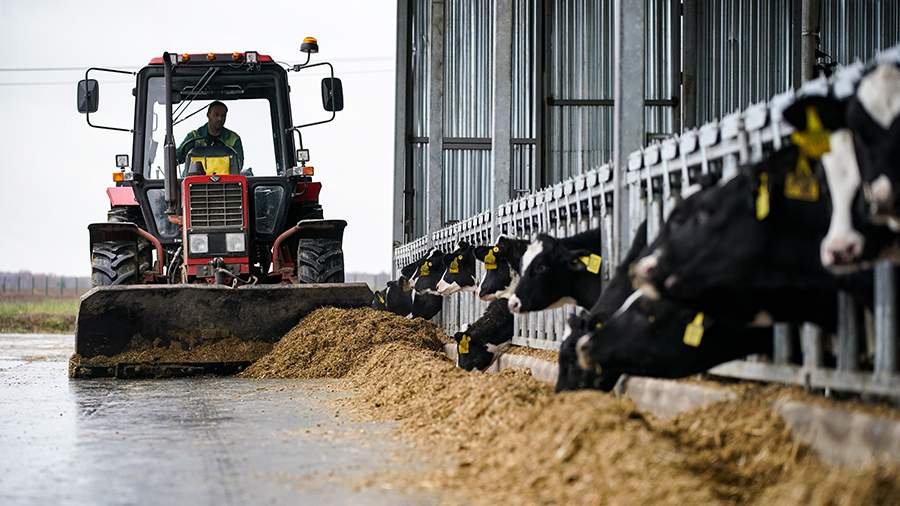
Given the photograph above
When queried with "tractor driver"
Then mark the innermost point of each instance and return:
(213, 133)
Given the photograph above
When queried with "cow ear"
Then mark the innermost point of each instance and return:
(578, 260)
(457, 337)
(480, 252)
(830, 111)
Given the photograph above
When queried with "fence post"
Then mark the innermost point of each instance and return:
(885, 319)
(46, 285)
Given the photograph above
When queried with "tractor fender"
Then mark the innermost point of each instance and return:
(321, 229)
(121, 196)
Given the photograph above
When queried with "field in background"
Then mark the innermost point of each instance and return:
(37, 313)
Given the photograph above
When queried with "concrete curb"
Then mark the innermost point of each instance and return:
(838, 436)
(842, 437)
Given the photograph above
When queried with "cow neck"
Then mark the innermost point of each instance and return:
(586, 289)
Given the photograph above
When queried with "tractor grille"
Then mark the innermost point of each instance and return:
(216, 205)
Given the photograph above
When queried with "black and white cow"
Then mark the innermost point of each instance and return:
(481, 343)
(429, 271)
(416, 290)
(559, 271)
(501, 267)
(862, 172)
(571, 376)
(745, 247)
(662, 339)
(459, 275)
(396, 297)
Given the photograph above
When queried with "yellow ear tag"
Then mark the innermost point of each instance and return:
(425, 269)
(490, 261)
(598, 325)
(592, 262)
(762, 197)
(463, 346)
(801, 184)
(454, 266)
(814, 141)
(380, 297)
(693, 333)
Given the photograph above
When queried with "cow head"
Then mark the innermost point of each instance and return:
(472, 354)
(378, 300)
(429, 272)
(548, 271)
(398, 296)
(705, 237)
(460, 273)
(571, 375)
(501, 264)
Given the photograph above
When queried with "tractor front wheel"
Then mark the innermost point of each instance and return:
(320, 261)
(119, 262)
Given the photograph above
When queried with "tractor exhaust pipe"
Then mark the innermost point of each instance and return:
(173, 196)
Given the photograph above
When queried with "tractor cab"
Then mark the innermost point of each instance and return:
(219, 180)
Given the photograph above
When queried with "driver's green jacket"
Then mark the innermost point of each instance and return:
(200, 137)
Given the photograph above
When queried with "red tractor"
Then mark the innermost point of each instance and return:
(221, 239)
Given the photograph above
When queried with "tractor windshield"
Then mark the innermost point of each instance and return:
(249, 115)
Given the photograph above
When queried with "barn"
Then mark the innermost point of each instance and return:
(520, 117)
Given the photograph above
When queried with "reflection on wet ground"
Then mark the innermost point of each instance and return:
(179, 441)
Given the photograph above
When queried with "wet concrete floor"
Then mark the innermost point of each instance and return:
(180, 441)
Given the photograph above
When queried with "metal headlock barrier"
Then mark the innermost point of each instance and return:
(865, 347)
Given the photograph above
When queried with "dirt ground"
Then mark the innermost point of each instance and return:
(509, 440)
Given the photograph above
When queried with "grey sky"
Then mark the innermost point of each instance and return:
(55, 169)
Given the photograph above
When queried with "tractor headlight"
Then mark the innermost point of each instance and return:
(234, 242)
(199, 243)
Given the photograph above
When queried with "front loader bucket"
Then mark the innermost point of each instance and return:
(121, 330)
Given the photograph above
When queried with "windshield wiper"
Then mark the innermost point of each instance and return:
(195, 90)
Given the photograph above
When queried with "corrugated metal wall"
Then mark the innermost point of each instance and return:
(746, 53)
(856, 29)
(468, 36)
(522, 99)
(580, 65)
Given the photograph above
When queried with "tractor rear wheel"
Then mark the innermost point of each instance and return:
(119, 262)
(320, 261)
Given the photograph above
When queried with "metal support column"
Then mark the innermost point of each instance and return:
(628, 110)
(501, 108)
(689, 16)
(434, 191)
(401, 109)
(541, 88)
(809, 38)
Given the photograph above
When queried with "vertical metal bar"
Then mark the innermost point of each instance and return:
(628, 111)
(403, 112)
(885, 319)
(541, 82)
(811, 342)
(689, 64)
(847, 333)
(501, 110)
(784, 343)
(809, 38)
(434, 170)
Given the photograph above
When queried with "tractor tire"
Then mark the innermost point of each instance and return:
(119, 262)
(320, 261)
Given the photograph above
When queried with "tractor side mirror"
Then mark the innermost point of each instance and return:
(88, 95)
(332, 94)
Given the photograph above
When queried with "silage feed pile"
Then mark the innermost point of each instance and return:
(508, 439)
(329, 342)
(221, 350)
